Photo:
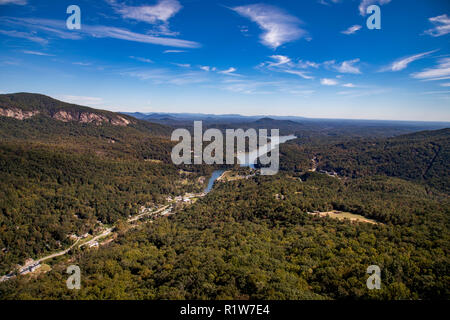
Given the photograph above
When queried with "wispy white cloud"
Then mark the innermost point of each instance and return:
(302, 74)
(208, 68)
(162, 76)
(146, 74)
(83, 64)
(186, 79)
(299, 92)
(362, 93)
(404, 62)
(230, 72)
(255, 86)
(173, 51)
(182, 65)
(251, 87)
(81, 100)
(349, 85)
(442, 26)
(364, 4)
(352, 29)
(24, 35)
(279, 27)
(123, 34)
(141, 59)
(328, 2)
(38, 53)
(348, 67)
(58, 28)
(17, 2)
(439, 72)
(307, 64)
(278, 60)
(54, 27)
(344, 67)
(284, 64)
(158, 14)
(447, 84)
(329, 82)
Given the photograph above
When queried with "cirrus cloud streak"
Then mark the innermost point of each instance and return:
(279, 27)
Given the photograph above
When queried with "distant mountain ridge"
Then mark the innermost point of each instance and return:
(242, 118)
(299, 126)
(157, 116)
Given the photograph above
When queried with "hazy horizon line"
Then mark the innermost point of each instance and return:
(278, 116)
(111, 109)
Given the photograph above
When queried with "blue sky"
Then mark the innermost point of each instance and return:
(313, 58)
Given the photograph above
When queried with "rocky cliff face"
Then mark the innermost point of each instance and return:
(67, 116)
(17, 113)
(89, 117)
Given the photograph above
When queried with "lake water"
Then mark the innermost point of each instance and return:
(216, 174)
(248, 159)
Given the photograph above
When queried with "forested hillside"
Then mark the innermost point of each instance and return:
(66, 177)
(287, 236)
(48, 194)
(138, 139)
(241, 243)
(422, 157)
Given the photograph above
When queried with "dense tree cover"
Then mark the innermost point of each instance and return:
(106, 140)
(295, 158)
(422, 157)
(138, 140)
(247, 239)
(47, 194)
(61, 177)
(305, 129)
(240, 242)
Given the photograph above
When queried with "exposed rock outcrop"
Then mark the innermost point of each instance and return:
(90, 117)
(67, 116)
(17, 113)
